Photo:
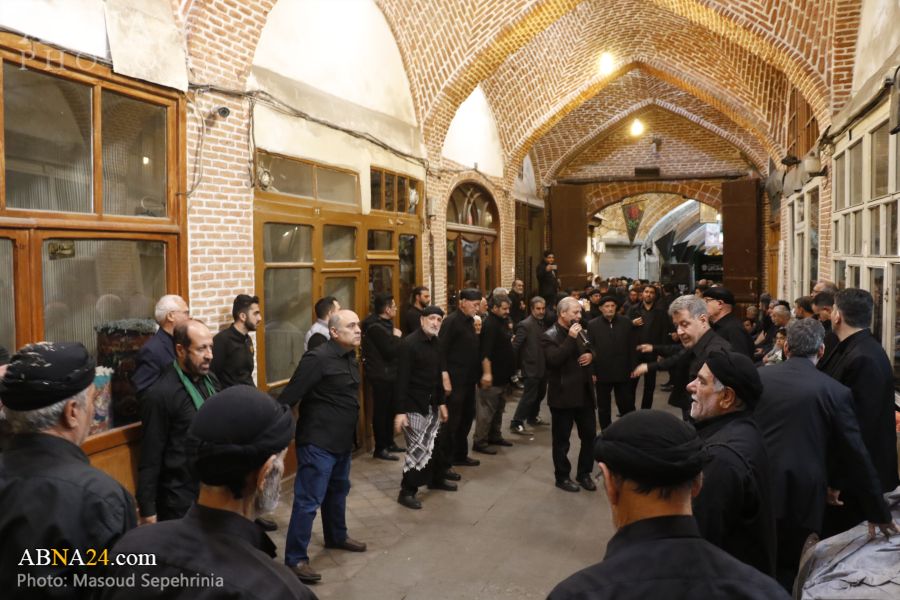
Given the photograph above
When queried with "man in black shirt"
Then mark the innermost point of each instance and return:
(50, 495)
(326, 386)
(547, 278)
(497, 368)
(527, 344)
(651, 326)
(421, 409)
(460, 371)
(233, 361)
(517, 309)
(159, 351)
(720, 307)
(616, 357)
(381, 341)
(594, 301)
(421, 297)
(651, 464)
(823, 305)
(166, 487)
(242, 435)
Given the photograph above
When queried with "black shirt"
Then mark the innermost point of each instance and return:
(379, 348)
(418, 386)
(232, 360)
(166, 486)
(459, 349)
(412, 319)
(152, 358)
(4, 356)
(496, 346)
(614, 354)
(665, 557)
(230, 556)
(326, 385)
(731, 329)
(51, 497)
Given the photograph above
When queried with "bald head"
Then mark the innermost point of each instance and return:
(344, 328)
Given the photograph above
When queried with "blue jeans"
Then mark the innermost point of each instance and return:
(323, 479)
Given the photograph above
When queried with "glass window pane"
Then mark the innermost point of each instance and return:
(848, 246)
(342, 288)
(407, 272)
(814, 235)
(839, 197)
(335, 186)
(856, 171)
(287, 176)
(857, 232)
(854, 277)
(452, 273)
(381, 281)
(876, 278)
(875, 231)
(389, 184)
(471, 263)
(7, 297)
(283, 242)
(340, 243)
(836, 237)
(134, 156)
(896, 338)
(102, 293)
(47, 134)
(840, 273)
(892, 228)
(880, 141)
(413, 196)
(402, 194)
(287, 294)
(380, 240)
(375, 187)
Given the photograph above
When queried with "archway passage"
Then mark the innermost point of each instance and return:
(472, 244)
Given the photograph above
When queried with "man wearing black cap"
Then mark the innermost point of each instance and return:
(421, 408)
(734, 508)
(166, 488)
(460, 371)
(50, 495)
(593, 309)
(651, 328)
(616, 357)
(720, 306)
(570, 394)
(232, 361)
(242, 435)
(651, 464)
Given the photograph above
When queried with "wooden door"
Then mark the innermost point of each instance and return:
(568, 229)
(742, 237)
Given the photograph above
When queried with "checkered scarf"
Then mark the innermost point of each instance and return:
(420, 435)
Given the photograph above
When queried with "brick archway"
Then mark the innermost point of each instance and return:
(599, 196)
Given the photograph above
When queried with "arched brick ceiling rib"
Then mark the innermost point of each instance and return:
(600, 195)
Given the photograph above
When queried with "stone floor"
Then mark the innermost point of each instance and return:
(507, 533)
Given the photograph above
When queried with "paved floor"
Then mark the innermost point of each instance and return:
(507, 533)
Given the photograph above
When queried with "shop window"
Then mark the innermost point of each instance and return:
(840, 273)
(342, 288)
(7, 297)
(339, 243)
(875, 231)
(375, 178)
(848, 237)
(288, 301)
(857, 218)
(853, 279)
(407, 252)
(840, 201)
(380, 240)
(381, 281)
(880, 145)
(287, 243)
(813, 227)
(876, 287)
(335, 186)
(836, 237)
(285, 176)
(394, 192)
(855, 168)
(891, 208)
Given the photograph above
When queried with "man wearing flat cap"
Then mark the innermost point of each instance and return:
(611, 334)
(242, 435)
(720, 306)
(593, 310)
(734, 508)
(651, 464)
(50, 495)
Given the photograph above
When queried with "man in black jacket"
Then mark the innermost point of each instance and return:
(859, 362)
(547, 278)
(233, 361)
(734, 507)
(380, 343)
(517, 309)
(159, 351)
(570, 394)
(422, 410)
(421, 297)
(805, 416)
(166, 488)
(651, 465)
(720, 306)
(611, 336)
(527, 345)
(50, 495)
(651, 327)
(498, 365)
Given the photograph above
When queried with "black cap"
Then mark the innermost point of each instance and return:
(45, 373)
(719, 293)
(738, 372)
(432, 310)
(610, 298)
(653, 447)
(593, 291)
(469, 294)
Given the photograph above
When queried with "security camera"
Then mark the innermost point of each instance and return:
(223, 112)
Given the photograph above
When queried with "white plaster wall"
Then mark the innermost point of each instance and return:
(879, 36)
(524, 187)
(344, 48)
(473, 136)
(78, 25)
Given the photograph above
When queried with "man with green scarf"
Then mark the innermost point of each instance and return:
(166, 488)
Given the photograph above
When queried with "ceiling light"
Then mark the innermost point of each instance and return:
(637, 128)
(606, 64)
(145, 160)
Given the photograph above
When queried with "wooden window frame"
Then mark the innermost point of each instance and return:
(396, 175)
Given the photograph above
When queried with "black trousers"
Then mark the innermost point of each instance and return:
(649, 382)
(624, 391)
(382, 414)
(787, 552)
(461, 408)
(433, 472)
(585, 421)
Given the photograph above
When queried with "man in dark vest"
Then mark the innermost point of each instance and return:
(616, 356)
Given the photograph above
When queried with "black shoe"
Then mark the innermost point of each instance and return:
(384, 455)
(567, 485)
(305, 573)
(409, 501)
(587, 482)
(536, 421)
(667, 387)
(452, 475)
(348, 544)
(442, 485)
(396, 448)
(466, 462)
(500, 442)
(267, 524)
(519, 429)
(483, 448)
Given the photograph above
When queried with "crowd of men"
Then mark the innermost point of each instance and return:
(787, 432)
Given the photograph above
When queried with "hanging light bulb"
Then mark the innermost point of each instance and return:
(637, 128)
(606, 64)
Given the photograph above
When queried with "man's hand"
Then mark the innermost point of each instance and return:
(397, 332)
(442, 411)
(574, 330)
(833, 498)
(400, 421)
(639, 322)
(645, 348)
(147, 520)
(886, 528)
(445, 379)
(486, 380)
(585, 359)
(639, 370)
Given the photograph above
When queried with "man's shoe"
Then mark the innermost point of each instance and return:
(667, 387)
(500, 442)
(442, 485)
(305, 573)
(452, 475)
(587, 482)
(483, 448)
(384, 455)
(396, 448)
(348, 544)
(267, 524)
(409, 501)
(519, 429)
(567, 485)
(466, 462)
(536, 421)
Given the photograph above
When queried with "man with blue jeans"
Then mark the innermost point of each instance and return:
(326, 385)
